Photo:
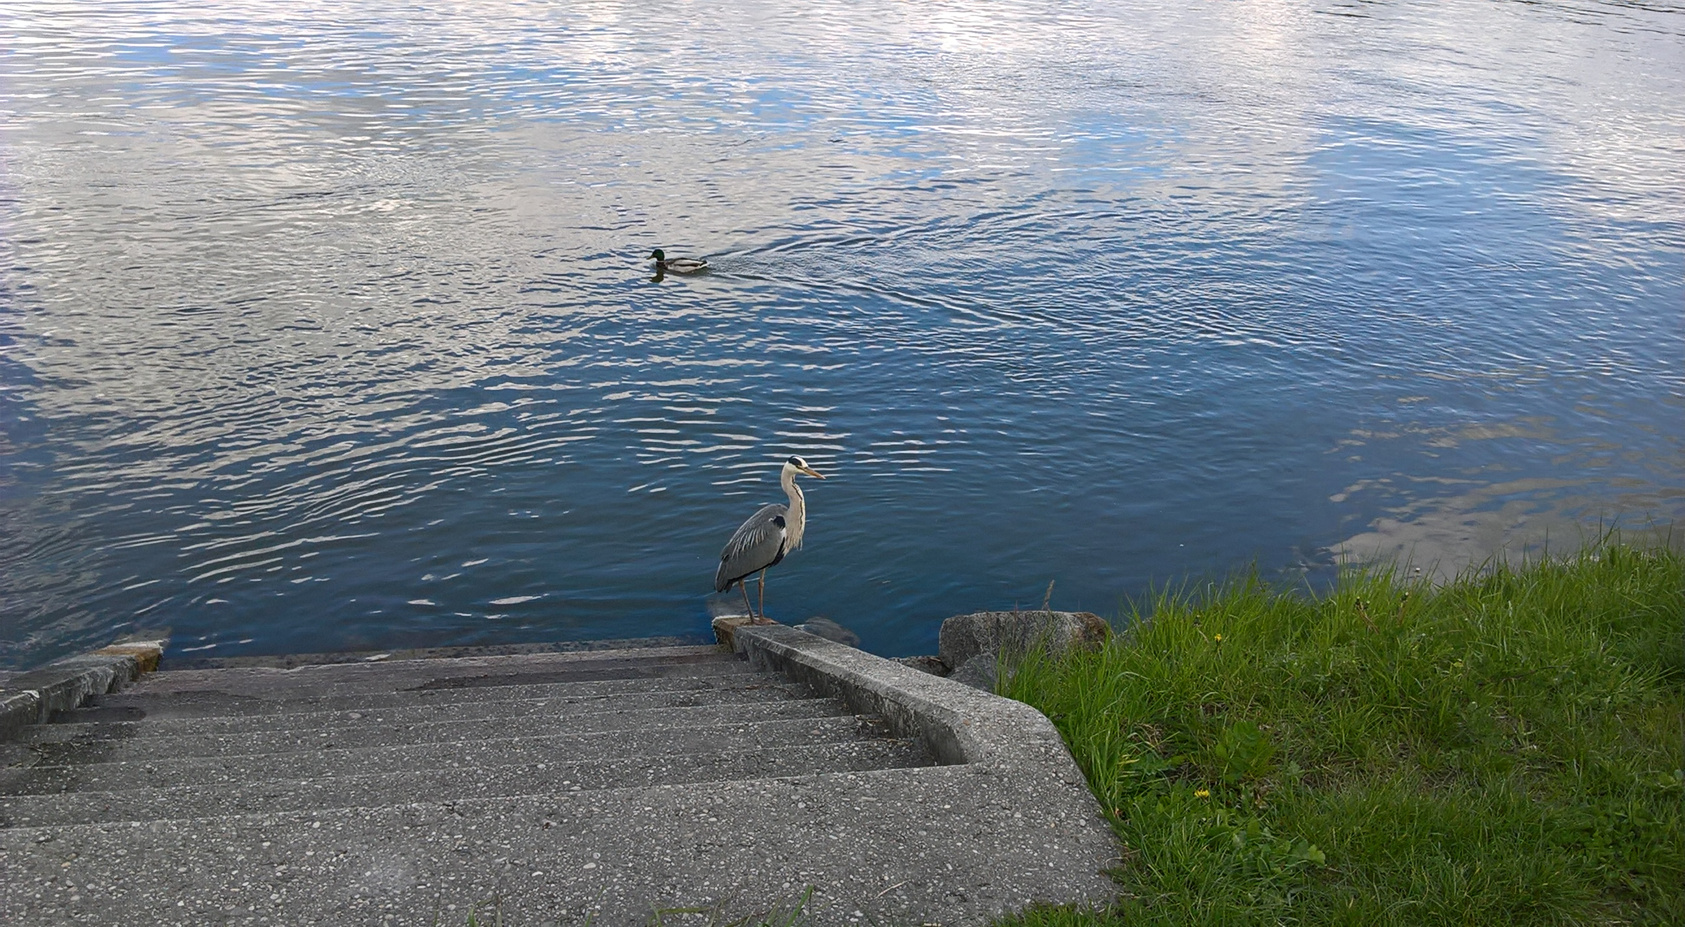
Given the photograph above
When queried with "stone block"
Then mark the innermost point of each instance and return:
(973, 644)
(932, 665)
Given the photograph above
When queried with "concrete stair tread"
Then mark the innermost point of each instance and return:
(561, 857)
(203, 660)
(572, 787)
(57, 743)
(146, 768)
(216, 703)
(464, 672)
(139, 721)
(235, 796)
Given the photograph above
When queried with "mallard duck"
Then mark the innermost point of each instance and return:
(677, 265)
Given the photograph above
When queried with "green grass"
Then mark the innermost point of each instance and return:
(1506, 749)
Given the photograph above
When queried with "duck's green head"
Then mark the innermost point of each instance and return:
(658, 254)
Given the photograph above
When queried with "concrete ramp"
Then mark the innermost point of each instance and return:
(684, 784)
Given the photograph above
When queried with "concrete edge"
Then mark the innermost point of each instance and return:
(955, 722)
(422, 670)
(31, 697)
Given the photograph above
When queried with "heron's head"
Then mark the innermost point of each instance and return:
(658, 255)
(799, 465)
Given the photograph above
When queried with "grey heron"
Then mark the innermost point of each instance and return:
(765, 538)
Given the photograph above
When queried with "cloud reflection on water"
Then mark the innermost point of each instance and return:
(320, 310)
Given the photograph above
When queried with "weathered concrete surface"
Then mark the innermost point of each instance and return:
(132, 740)
(318, 680)
(658, 746)
(124, 716)
(31, 697)
(295, 660)
(820, 626)
(230, 792)
(896, 848)
(1017, 762)
(555, 788)
(256, 702)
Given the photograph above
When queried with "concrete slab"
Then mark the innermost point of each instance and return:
(108, 721)
(56, 743)
(236, 795)
(949, 845)
(150, 770)
(259, 701)
(604, 824)
(31, 697)
(290, 660)
(517, 669)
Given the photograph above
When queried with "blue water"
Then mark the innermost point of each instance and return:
(329, 326)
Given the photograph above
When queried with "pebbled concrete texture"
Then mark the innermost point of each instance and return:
(933, 845)
(657, 746)
(550, 789)
(957, 723)
(294, 660)
(212, 703)
(31, 697)
(1015, 762)
(107, 721)
(229, 792)
(320, 679)
(129, 741)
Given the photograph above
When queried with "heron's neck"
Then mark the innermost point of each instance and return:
(796, 520)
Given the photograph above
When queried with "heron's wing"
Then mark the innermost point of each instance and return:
(757, 544)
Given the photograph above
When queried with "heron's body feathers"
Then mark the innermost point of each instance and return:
(757, 544)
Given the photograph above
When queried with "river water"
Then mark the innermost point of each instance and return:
(328, 324)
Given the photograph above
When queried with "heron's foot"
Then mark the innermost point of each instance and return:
(761, 619)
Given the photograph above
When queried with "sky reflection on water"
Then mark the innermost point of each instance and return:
(332, 330)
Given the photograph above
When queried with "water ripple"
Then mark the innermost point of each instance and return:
(335, 330)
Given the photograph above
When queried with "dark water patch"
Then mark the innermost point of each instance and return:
(336, 331)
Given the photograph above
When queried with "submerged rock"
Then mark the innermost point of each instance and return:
(820, 626)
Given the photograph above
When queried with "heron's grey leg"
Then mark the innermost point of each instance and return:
(762, 587)
(744, 585)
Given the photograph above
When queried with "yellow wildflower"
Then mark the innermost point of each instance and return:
(1202, 793)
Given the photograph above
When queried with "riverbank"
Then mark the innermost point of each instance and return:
(1505, 748)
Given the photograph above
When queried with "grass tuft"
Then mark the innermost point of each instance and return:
(1508, 748)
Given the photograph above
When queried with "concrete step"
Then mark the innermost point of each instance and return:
(905, 844)
(572, 825)
(120, 769)
(496, 718)
(365, 734)
(180, 660)
(142, 702)
(468, 672)
(235, 797)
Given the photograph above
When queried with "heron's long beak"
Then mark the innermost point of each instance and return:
(812, 472)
